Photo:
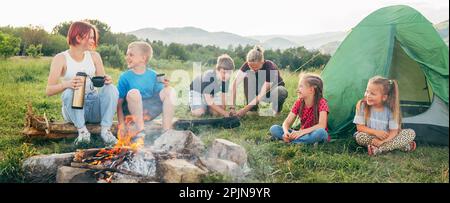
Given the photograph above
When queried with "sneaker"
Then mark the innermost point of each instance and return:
(83, 137)
(108, 138)
(410, 147)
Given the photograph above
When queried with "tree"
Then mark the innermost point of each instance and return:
(120, 39)
(9, 45)
(158, 48)
(63, 28)
(54, 44)
(112, 56)
(175, 51)
(34, 51)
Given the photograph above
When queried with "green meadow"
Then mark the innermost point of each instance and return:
(23, 80)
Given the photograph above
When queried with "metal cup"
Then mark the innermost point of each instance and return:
(98, 81)
(161, 77)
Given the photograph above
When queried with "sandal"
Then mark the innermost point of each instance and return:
(412, 146)
(372, 150)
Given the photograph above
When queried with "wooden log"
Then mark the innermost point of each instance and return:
(84, 153)
(37, 126)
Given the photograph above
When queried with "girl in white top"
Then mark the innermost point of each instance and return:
(99, 105)
(378, 119)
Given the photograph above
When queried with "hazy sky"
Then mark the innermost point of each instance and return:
(243, 17)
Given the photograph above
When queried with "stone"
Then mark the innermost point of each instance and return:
(224, 167)
(184, 142)
(43, 168)
(224, 149)
(68, 174)
(180, 171)
(123, 178)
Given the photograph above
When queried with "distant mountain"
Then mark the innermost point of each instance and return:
(191, 35)
(329, 48)
(312, 41)
(442, 29)
(279, 43)
(325, 42)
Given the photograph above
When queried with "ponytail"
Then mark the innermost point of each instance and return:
(394, 101)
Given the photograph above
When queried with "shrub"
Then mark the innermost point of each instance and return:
(34, 51)
(112, 56)
(9, 45)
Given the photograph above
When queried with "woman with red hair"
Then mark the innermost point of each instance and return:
(100, 104)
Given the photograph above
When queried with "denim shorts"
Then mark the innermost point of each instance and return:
(152, 106)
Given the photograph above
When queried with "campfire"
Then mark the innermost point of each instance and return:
(170, 156)
(109, 160)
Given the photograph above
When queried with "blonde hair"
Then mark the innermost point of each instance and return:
(256, 54)
(315, 82)
(390, 88)
(144, 47)
(225, 62)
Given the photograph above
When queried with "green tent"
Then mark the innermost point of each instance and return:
(399, 43)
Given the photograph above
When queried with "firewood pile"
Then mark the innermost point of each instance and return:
(106, 162)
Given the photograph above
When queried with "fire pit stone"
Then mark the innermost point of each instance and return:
(43, 168)
(181, 171)
(180, 142)
(224, 149)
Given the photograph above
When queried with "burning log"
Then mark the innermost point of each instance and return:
(107, 159)
(84, 153)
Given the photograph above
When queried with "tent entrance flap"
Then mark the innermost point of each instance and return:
(415, 93)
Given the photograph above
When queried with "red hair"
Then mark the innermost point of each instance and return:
(81, 29)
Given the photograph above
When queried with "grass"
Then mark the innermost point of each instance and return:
(24, 80)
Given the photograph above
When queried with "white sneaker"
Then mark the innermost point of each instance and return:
(108, 138)
(83, 137)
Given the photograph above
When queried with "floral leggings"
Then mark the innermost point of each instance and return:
(401, 141)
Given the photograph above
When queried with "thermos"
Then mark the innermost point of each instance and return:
(78, 94)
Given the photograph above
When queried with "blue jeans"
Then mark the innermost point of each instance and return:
(319, 135)
(98, 107)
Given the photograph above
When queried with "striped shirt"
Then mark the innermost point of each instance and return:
(383, 120)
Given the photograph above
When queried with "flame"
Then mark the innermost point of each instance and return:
(126, 134)
(124, 144)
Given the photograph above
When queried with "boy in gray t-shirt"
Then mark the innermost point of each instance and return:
(207, 91)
